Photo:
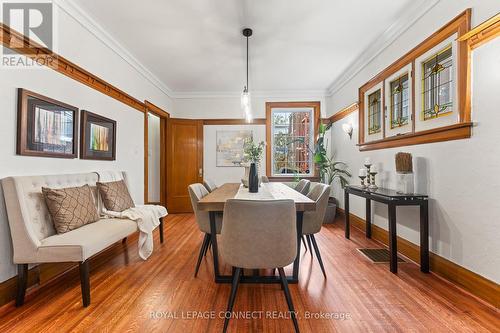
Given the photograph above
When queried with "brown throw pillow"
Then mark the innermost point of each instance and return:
(115, 196)
(70, 207)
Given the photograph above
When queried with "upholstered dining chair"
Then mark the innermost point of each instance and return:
(264, 179)
(313, 220)
(196, 193)
(259, 235)
(209, 185)
(303, 186)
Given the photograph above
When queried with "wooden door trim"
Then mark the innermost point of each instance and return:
(164, 116)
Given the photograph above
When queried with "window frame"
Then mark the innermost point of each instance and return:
(407, 128)
(315, 120)
(460, 127)
(380, 133)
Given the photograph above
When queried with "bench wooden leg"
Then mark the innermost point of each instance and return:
(85, 282)
(161, 230)
(22, 283)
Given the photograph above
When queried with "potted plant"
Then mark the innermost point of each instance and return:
(329, 170)
(253, 154)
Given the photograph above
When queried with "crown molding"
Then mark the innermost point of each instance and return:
(87, 22)
(405, 20)
(260, 93)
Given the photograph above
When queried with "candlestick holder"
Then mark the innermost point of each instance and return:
(363, 185)
(368, 177)
(372, 185)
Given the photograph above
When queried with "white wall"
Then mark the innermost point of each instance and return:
(457, 175)
(221, 175)
(81, 47)
(229, 106)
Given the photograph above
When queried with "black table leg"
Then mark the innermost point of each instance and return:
(296, 263)
(393, 246)
(215, 251)
(368, 218)
(346, 211)
(424, 236)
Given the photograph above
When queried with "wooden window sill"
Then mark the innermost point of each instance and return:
(446, 133)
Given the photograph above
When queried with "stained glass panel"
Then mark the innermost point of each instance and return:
(399, 102)
(437, 94)
(374, 112)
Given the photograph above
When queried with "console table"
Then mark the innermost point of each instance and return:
(393, 199)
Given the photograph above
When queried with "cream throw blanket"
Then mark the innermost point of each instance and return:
(147, 218)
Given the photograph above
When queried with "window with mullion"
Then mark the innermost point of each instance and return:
(292, 132)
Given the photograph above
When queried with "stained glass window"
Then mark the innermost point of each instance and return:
(374, 112)
(399, 102)
(437, 94)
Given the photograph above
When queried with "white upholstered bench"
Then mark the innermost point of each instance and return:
(34, 238)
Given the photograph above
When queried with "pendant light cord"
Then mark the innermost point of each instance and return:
(248, 89)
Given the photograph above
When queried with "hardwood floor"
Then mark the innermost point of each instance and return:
(125, 291)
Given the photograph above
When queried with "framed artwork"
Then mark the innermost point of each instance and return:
(230, 147)
(98, 137)
(46, 127)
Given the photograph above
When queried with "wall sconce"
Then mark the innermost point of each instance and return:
(348, 129)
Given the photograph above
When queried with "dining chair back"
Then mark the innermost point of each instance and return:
(313, 220)
(209, 185)
(259, 235)
(196, 193)
(303, 186)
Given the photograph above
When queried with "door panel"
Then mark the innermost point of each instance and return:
(185, 162)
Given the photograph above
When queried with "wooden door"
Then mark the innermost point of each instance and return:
(185, 162)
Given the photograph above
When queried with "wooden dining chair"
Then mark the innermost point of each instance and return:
(303, 186)
(259, 235)
(209, 185)
(313, 220)
(196, 193)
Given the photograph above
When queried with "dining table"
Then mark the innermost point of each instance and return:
(214, 202)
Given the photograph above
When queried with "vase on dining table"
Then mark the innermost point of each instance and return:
(253, 179)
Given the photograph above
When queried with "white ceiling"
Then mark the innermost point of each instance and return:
(196, 46)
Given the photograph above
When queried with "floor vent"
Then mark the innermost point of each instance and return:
(378, 256)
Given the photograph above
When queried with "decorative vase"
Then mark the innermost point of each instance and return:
(253, 179)
(404, 183)
(331, 211)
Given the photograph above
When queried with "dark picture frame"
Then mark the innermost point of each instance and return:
(45, 127)
(97, 137)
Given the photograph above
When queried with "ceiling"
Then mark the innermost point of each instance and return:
(196, 46)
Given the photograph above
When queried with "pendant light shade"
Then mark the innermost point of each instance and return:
(245, 95)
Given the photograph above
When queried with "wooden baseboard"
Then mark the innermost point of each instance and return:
(474, 283)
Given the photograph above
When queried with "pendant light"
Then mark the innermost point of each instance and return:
(245, 95)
